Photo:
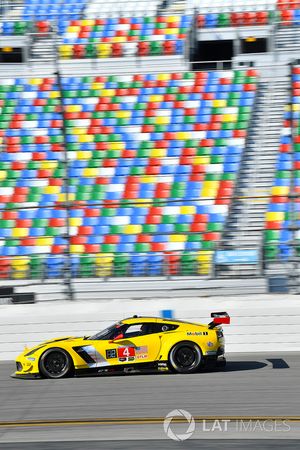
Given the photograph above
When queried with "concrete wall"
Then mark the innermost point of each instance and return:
(258, 322)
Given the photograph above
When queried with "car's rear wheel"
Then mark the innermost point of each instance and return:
(56, 363)
(185, 357)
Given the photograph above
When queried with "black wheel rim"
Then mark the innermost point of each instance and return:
(55, 363)
(185, 357)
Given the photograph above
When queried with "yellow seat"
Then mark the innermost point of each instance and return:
(219, 103)
(48, 164)
(20, 268)
(177, 238)
(163, 77)
(229, 118)
(66, 51)
(41, 241)
(117, 145)
(188, 209)
(133, 229)
(76, 248)
(183, 135)
(280, 190)
(62, 197)
(35, 81)
(97, 85)
(52, 189)
(201, 160)
(75, 221)
(204, 259)
(79, 131)
(158, 152)
(87, 22)
(19, 262)
(171, 31)
(104, 49)
(54, 94)
(296, 107)
(148, 179)
(73, 29)
(275, 216)
(3, 174)
(104, 264)
(73, 108)
(90, 172)
(85, 155)
(162, 120)
(19, 232)
(86, 138)
(156, 98)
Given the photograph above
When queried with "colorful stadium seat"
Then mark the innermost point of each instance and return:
(152, 166)
(282, 211)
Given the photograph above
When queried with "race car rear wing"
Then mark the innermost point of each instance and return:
(218, 319)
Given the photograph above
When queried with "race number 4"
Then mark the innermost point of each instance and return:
(125, 352)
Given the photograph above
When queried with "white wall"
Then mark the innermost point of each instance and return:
(258, 322)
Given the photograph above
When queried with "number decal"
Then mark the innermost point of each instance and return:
(125, 352)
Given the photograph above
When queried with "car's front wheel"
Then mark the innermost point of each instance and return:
(185, 357)
(56, 363)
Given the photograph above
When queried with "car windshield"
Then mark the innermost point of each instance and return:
(105, 334)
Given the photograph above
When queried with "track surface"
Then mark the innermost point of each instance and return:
(251, 385)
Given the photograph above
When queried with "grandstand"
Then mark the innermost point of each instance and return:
(147, 138)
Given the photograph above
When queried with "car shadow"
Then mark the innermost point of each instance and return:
(238, 366)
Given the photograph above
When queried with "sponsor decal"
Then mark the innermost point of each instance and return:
(197, 333)
(126, 352)
(111, 353)
(141, 352)
(210, 344)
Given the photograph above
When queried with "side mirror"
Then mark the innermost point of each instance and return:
(117, 338)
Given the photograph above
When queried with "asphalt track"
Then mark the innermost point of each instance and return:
(131, 408)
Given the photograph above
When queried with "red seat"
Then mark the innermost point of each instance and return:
(85, 230)
(198, 227)
(78, 51)
(78, 240)
(117, 49)
(169, 47)
(92, 248)
(111, 239)
(143, 48)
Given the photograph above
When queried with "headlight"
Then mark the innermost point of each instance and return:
(19, 366)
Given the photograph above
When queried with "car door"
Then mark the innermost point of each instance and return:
(134, 344)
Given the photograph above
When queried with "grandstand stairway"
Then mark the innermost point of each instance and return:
(287, 39)
(245, 223)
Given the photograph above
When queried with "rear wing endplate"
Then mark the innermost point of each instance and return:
(218, 319)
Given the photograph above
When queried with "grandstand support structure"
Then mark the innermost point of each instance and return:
(245, 224)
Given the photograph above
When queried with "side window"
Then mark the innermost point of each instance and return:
(136, 329)
(162, 327)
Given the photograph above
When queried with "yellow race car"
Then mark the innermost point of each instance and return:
(132, 345)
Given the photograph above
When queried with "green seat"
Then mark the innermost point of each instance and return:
(87, 266)
(215, 226)
(271, 235)
(121, 262)
(182, 227)
(189, 263)
(270, 252)
(223, 20)
(142, 247)
(108, 248)
(37, 266)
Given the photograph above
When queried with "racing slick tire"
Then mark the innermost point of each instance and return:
(56, 363)
(185, 357)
